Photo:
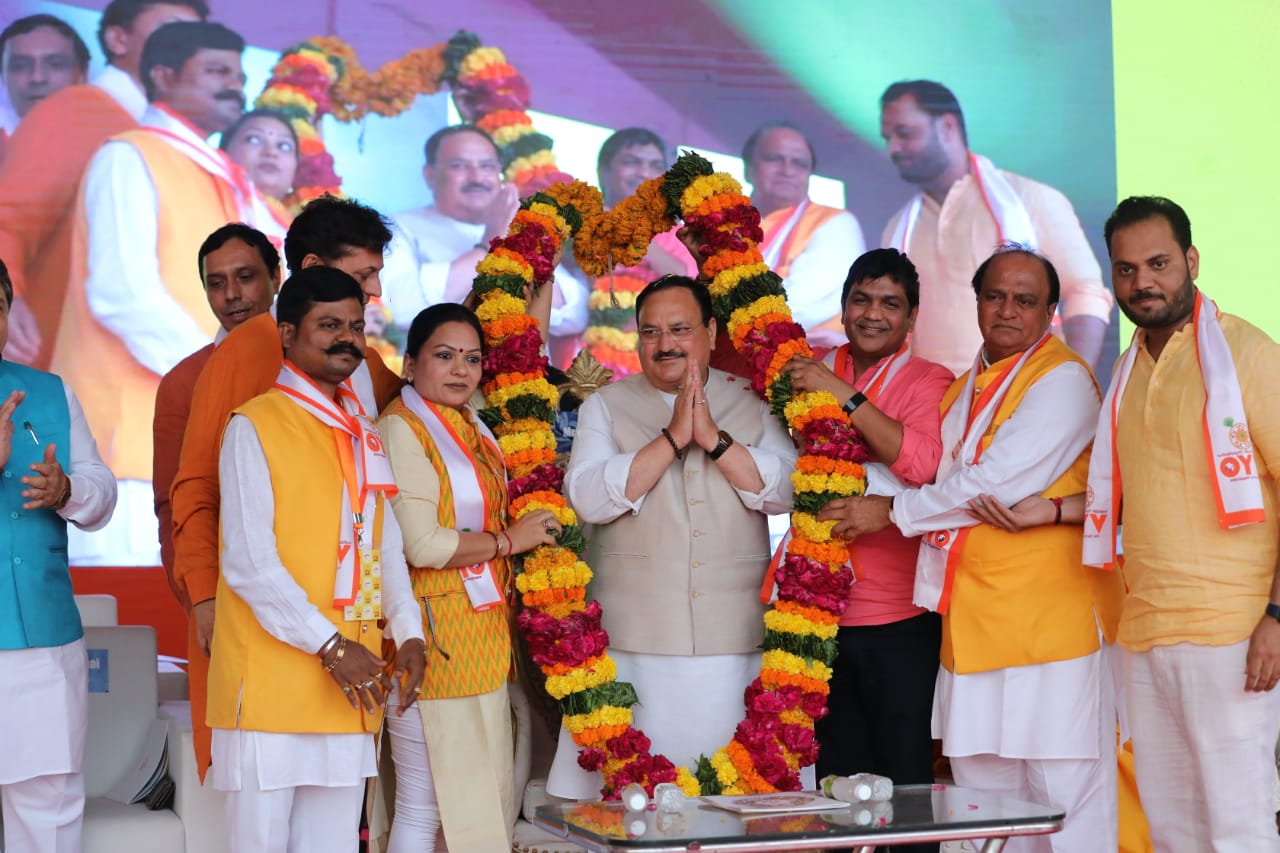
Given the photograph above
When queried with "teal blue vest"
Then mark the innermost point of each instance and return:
(37, 607)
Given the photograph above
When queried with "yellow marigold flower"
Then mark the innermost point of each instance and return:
(724, 283)
(790, 664)
(533, 161)
(497, 303)
(801, 404)
(792, 623)
(512, 132)
(493, 264)
(706, 186)
(611, 337)
(726, 773)
(475, 61)
(810, 528)
(688, 782)
(583, 678)
(600, 300)
(607, 715)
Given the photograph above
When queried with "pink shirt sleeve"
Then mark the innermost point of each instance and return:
(918, 410)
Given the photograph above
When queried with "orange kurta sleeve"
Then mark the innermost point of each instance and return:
(44, 161)
(242, 367)
(173, 406)
(386, 385)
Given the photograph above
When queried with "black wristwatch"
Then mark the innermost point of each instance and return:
(725, 442)
(1273, 610)
(852, 404)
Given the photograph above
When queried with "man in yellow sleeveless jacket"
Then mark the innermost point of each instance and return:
(1023, 705)
(296, 689)
(134, 299)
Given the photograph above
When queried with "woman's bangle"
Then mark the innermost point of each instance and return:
(497, 544)
(1057, 510)
(511, 549)
(337, 657)
(667, 434)
(328, 645)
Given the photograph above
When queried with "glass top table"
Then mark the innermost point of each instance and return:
(917, 813)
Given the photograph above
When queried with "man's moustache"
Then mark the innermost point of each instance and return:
(668, 354)
(347, 349)
(231, 95)
(469, 187)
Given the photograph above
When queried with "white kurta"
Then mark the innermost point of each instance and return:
(816, 276)
(44, 702)
(252, 568)
(1049, 710)
(664, 683)
(425, 242)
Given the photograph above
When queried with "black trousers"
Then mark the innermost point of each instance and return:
(881, 703)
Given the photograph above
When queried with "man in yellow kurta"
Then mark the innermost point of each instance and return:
(1186, 458)
(810, 245)
(312, 560)
(1022, 705)
(134, 299)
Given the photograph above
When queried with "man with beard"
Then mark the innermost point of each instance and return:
(435, 249)
(677, 467)
(149, 199)
(1191, 427)
(965, 206)
(46, 158)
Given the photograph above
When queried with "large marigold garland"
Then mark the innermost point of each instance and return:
(322, 76)
(775, 738)
(611, 319)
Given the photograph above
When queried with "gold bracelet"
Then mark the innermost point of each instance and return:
(497, 544)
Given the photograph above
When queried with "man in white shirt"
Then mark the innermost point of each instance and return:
(312, 561)
(46, 158)
(810, 245)
(149, 199)
(677, 467)
(434, 251)
(52, 475)
(40, 55)
(965, 206)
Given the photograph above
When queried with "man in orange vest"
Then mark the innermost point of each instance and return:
(148, 200)
(810, 245)
(45, 159)
(296, 686)
(1022, 703)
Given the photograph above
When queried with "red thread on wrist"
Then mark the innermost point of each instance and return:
(1057, 510)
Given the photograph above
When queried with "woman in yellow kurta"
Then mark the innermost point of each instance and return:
(452, 508)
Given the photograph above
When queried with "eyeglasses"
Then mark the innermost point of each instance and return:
(652, 334)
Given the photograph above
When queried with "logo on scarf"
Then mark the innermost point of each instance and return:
(1233, 465)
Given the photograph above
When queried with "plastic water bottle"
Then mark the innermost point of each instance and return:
(858, 788)
(635, 798)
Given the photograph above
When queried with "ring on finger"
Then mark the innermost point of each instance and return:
(367, 684)
(347, 690)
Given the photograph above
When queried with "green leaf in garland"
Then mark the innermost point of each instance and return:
(748, 291)
(617, 693)
(780, 393)
(804, 645)
(530, 143)
(530, 406)
(455, 51)
(491, 415)
(688, 167)
(571, 537)
(508, 283)
(707, 778)
(813, 502)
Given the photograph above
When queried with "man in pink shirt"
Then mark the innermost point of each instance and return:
(882, 690)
